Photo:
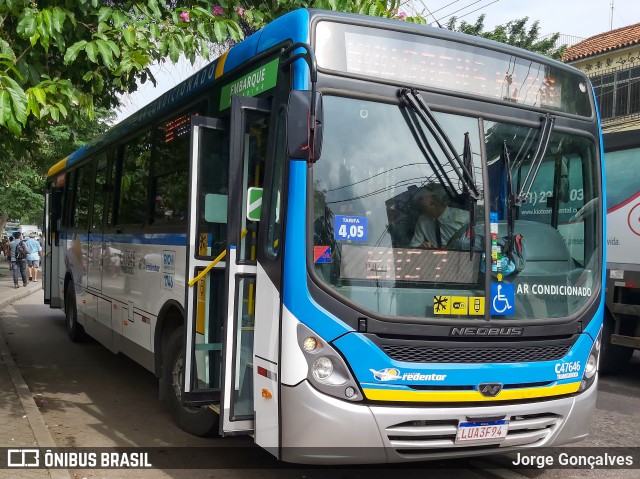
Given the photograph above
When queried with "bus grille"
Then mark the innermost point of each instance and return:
(522, 354)
(424, 437)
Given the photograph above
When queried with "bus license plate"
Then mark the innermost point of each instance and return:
(489, 431)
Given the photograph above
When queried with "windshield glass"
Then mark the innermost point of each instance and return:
(557, 269)
(392, 221)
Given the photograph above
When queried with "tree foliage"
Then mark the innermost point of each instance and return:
(515, 32)
(24, 165)
(66, 57)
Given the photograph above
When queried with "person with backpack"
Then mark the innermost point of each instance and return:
(19, 252)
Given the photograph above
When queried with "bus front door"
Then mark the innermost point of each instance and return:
(50, 264)
(226, 168)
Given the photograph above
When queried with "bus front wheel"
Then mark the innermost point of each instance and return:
(199, 421)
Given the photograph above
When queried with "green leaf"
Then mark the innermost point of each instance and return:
(8, 62)
(5, 107)
(38, 94)
(92, 52)
(201, 30)
(62, 108)
(114, 48)
(153, 5)
(155, 31)
(105, 53)
(129, 36)
(104, 14)
(103, 27)
(5, 48)
(119, 19)
(217, 30)
(59, 17)
(55, 114)
(47, 22)
(34, 39)
(17, 98)
(72, 52)
(174, 51)
(27, 24)
(34, 106)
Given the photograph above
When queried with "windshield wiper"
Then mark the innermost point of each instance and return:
(514, 201)
(415, 101)
(541, 150)
(428, 153)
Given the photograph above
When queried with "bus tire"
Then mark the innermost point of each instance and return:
(199, 421)
(74, 329)
(612, 357)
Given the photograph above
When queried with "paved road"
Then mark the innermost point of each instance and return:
(89, 397)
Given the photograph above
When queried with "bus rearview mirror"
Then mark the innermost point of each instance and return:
(304, 140)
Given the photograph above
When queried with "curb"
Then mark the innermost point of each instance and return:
(21, 293)
(34, 417)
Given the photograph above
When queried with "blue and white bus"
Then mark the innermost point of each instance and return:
(250, 238)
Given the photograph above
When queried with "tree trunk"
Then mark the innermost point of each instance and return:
(3, 221)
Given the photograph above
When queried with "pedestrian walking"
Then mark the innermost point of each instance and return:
(8, 252)
(19, 252)
(5, 248)
(33, 258)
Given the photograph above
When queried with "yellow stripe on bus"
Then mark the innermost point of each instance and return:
(468, 396)
(220, 64)
(59, 166)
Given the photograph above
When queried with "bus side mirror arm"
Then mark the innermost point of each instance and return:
(304, 112)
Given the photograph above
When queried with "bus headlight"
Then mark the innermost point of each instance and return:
(327, 371)
(591, 368)
(322, 368)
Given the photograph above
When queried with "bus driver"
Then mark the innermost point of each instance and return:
(438, 221)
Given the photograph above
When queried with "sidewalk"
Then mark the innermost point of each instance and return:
(21, 424)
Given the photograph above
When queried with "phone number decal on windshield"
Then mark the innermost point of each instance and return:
(351, 228)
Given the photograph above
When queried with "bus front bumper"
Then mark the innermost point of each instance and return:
(319, 429)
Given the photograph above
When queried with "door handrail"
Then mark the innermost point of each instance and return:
(213, 263)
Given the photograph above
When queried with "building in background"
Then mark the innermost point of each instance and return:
(612, 61)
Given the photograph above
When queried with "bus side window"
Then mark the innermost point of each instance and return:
(83, 192)
(277, 184)
(133, 180)
(256, 137)
(170, 180)
(214, 189)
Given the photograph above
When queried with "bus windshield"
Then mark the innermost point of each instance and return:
(392, 220)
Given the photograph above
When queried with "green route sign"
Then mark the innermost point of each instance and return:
(251, 84)
(254, 203)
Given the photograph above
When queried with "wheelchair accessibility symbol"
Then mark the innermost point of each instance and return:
(503, 299)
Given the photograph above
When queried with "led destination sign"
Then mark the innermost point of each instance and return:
(447, 65)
